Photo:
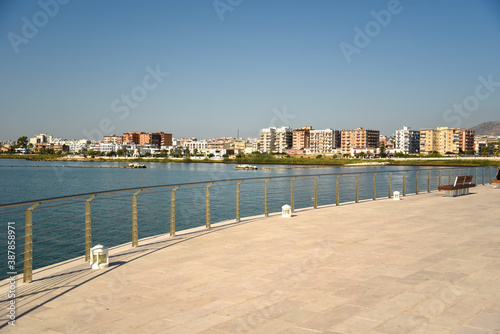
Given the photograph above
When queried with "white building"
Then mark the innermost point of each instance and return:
(274, 139)
(407, 141)
(41, 138)
(323, 141)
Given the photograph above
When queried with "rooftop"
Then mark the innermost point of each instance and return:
(425, 264)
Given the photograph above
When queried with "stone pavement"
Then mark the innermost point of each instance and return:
(425, 264)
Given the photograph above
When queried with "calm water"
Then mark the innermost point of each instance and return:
(59, 227)
(23, 180)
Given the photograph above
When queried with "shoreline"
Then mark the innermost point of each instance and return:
(298, 162)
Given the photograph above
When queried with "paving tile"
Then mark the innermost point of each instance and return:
(329, 270)
(402, 323)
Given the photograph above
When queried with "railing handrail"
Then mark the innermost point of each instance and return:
(104, 192)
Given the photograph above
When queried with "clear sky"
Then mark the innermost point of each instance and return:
(208, 68)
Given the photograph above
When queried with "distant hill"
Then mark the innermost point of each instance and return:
(487, 129)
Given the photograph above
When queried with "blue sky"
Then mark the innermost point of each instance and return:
(88, 67)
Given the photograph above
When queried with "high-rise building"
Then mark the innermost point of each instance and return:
(359, 139)
(408, 141)
(466, 141)
(274, 139)
(301, 138)
(324, 141)
(267, 139)
(442, 140)
(283, 139)
(131, 137)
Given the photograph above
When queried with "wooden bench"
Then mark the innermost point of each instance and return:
(496, 183)
(460, 187)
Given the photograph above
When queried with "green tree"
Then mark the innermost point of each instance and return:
(22, 142)
(485, 151)
(383, 152)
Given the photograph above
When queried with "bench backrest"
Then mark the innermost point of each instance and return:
(463, 180)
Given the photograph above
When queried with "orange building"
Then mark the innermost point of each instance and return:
(359, 139)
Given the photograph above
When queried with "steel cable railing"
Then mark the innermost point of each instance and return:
(67, 227)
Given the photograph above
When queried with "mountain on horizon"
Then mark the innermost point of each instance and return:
(491, 128)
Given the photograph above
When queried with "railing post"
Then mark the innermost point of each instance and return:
(292, 196)
(484, 170)
(266, 199)
(28, 244)
(135, 227)
(88, 228)
(404, 183)
(449, 176)
(491, 173)
(316, 192)
(439, 178)
(357, 189)
(468, 170)
(416, 184)
(390, 185)
(476, 175)
(172, 211)
(459, 170)
(207, 206)
(337, 192)
(428, 181)
(374, 186)
(238, 212)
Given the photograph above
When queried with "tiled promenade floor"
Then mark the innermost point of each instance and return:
(425, 264)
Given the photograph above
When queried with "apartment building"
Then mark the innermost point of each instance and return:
(283, 139)
(407, 140)
(113, 139)
(324, 141)
(466, 140)
(156, 139)
(131, 137)
(274, 139)
(301, 138)
(359, 139)
(442, 140)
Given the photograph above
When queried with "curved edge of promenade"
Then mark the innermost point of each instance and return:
(424, 264)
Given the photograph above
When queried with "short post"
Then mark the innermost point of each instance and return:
(390, 185)
(404, 183)
(439, 179)
(458, 172)
(428, 181)
(476, 175)
(266, 199)
(491, 173)
(449, 176)
(238, 211)
(135, 227)
(172, 211)
(484, 170)
(316, 192)
(357, 189)
(292, 196)
(468, 170)
(28, 244)
(207, 206)
(88, 228)
(374, 187)
(416, 185)
(337, 200)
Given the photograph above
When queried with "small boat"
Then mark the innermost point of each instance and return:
(136, 165)
(246, 167)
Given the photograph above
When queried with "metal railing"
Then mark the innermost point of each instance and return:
(66, 227)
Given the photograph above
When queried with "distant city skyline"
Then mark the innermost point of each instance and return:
(211, 69)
